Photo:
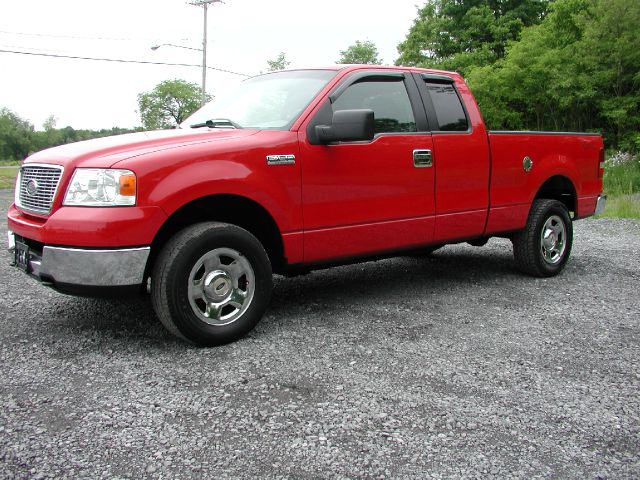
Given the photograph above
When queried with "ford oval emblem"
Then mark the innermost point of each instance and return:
(32, 187)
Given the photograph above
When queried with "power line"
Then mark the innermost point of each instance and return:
(78, 37)
(37, 49)
(119, 60)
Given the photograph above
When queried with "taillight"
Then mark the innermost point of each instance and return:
(601, 163)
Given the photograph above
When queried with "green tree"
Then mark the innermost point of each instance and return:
(168, 104)
(15, 136)
(360, 52)
(50, 136)
(608, 58)
(279, 63)
(50, 123)
(578, 70)
(535, 85)
(459, 34)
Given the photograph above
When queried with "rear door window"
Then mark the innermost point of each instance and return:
(448, 108)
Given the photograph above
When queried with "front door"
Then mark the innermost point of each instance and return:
(361, 197)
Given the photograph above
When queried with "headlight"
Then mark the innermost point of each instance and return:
(99, 187)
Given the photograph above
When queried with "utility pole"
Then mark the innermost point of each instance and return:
(205, 4)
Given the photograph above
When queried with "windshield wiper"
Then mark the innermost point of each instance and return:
(217, 123)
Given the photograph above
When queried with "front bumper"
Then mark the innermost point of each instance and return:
(76, 268)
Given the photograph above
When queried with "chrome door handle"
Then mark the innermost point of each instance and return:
(422, 158)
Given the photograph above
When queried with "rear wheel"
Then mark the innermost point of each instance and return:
(211, 283)
(542, 249)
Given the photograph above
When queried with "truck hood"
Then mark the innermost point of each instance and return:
(105, 152)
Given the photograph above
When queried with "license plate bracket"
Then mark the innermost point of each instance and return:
(21, 256)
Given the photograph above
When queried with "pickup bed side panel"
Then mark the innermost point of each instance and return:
(573, 156)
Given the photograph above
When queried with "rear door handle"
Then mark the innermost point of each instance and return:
(422, 158)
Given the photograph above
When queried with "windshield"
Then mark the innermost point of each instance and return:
(272, 101)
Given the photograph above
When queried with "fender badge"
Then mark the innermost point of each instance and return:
(281, 159)
(527, 164)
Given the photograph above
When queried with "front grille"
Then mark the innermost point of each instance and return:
(37, 187)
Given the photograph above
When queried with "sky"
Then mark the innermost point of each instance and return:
(243, 35)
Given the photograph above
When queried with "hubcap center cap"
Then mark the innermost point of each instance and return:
(217, 285)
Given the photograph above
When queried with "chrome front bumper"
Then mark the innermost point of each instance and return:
(85, 267)
(600, 204)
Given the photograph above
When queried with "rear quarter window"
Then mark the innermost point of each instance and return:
(449, 111)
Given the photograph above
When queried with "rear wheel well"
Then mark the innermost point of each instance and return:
(231, 209)
(559, 188)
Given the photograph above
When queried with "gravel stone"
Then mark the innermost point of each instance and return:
(452, 365)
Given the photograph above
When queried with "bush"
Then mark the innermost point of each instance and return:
(622, 174)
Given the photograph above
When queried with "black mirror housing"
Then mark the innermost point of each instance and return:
(347, 126)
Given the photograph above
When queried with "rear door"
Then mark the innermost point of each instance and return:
(460, 157)
(363, 197)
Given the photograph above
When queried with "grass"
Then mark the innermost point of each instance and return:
(622, 179)
(9, 163)
(622, 187)
(8, 177)
(622, 206)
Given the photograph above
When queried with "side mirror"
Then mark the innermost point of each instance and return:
(347, 126)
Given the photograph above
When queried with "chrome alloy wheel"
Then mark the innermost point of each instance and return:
(221, 286)
(553, 240)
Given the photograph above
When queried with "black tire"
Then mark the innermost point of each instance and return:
(539, 256)
(211, 283)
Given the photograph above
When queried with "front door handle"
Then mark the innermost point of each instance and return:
(422, 158)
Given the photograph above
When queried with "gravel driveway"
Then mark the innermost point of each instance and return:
(448, 366)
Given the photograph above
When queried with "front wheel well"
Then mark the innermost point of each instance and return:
(559, 188)
(231, 209)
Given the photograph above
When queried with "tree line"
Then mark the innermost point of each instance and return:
(18, 137)
(565, 65)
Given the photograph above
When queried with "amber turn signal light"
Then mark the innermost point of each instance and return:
(127, 185)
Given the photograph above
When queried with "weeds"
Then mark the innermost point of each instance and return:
(622, 174)
(622, 206)
(621, 184)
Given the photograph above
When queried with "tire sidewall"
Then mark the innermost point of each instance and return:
(558, 209)
(192, 327)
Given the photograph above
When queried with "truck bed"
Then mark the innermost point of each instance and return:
(566, 156)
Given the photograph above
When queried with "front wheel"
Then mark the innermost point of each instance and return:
(211, 283)
(543, 247)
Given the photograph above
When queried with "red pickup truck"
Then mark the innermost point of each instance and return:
(289, 172)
